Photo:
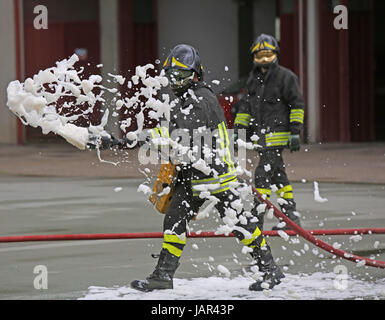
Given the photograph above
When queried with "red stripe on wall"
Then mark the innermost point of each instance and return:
(20, 131)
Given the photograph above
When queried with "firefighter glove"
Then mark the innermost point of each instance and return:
(294, 143)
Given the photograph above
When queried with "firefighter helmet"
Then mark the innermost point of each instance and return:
(184, 57)
(181, 65)
(265, 50)
(264, 42)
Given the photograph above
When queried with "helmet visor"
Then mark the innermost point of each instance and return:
(179, 78)
(264, 57)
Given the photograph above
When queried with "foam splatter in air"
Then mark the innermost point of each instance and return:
(38, 102)
(35, 102)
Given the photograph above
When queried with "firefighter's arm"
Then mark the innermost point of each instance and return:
(242, 119)
(243, 116)
(106, 141)
(296, 103)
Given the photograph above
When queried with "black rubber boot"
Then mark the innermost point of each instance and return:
(271, 273)
(162, 277)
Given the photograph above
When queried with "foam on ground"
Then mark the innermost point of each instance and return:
(314, 286)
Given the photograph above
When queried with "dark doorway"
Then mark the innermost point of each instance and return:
(379, 70)
(245, 36)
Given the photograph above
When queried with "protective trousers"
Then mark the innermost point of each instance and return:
(184, 206)
(271, 171)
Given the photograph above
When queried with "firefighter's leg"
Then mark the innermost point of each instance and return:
(262, 181)
(284, 192)
(248, 232)
(180, 212)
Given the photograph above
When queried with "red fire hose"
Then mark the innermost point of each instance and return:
(306, 234)
(202, 234)
(319, 243)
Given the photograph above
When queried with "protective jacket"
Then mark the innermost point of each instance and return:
(272, 107)
(200, 114)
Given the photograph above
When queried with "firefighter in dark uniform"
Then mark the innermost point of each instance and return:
(272, 109)
(184, 71)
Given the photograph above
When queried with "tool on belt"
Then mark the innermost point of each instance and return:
(166, 178)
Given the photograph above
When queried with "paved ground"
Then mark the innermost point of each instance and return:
(41, 205)
(353, 163)
(56, 189)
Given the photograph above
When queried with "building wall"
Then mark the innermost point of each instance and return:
(210, 26)
(264, 17)
(109, 51)
(8, 123)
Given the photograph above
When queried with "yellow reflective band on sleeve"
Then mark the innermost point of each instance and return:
(255, 234)
(232, 169)
(154, 133)
(157, 133)
(173, 238)
(297, 115)
(244, 116)
(173, 250)
(164, 132)
(243, 119)
(224, 139)
(223, 180)
(241, 122)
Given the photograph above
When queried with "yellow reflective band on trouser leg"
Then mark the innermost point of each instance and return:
(174, 244)
(173, 238)
(264, 191)
(251, 243)
(286, 192)
(173, 250)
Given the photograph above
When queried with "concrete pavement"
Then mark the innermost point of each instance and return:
(353, 163)
(57, 189)
(57, 205)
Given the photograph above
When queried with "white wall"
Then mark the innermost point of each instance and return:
(8, 123)
(208, 25)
